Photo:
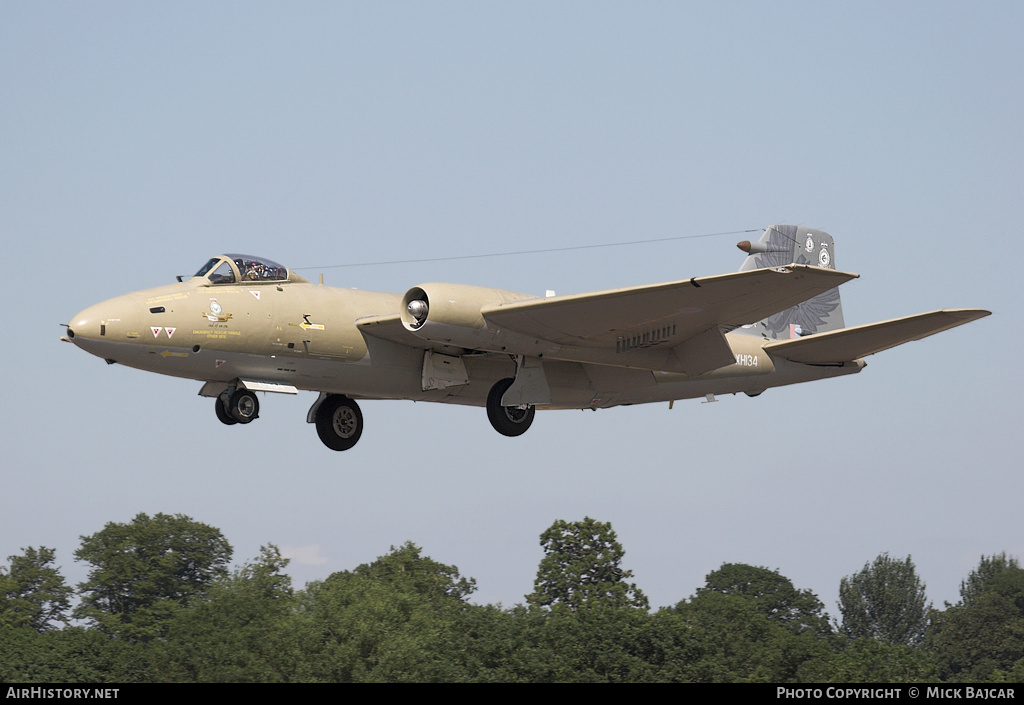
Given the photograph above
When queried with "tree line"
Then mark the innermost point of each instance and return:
(160, 604)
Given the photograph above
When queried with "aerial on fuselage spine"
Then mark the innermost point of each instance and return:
(244, 324)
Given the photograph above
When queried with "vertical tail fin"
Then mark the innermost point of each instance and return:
(794, 244)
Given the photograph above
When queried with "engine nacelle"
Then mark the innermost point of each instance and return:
(450, 314)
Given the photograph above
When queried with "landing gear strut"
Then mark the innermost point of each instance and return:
(507, 420)
(339, 423)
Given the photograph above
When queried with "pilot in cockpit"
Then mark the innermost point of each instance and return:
(249, 269)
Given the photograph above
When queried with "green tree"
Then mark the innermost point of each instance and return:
(885, 600)
(393, 620)
(978, 579)
(983, 637)
(581, 565)
(243, 631)
(70, 655)
(405, 566)
(32, 592)
(489, 644)
(772, 594)
(725, 638)
(1015, 674)
(144, 570)
(594, 642)
(871, 661)
(585, 621)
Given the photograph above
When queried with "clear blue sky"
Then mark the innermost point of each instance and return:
(139, 139)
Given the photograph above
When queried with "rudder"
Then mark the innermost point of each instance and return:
(779, 246)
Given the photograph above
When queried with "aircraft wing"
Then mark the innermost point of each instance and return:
(689, 307)
(676, 326)
(860, 341)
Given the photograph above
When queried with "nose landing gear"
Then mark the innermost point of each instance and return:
(241, 406)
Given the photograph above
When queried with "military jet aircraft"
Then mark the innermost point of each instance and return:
(245, 324)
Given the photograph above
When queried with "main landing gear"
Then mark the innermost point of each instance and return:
(339, 423)
(507, 420)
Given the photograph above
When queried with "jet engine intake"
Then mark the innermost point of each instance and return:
(450, 313)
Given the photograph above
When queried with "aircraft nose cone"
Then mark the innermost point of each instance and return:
(90, 323)
(80, 324)
(111, 321)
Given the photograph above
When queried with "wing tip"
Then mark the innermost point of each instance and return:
(964, 315)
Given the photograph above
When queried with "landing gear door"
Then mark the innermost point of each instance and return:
(442, 371)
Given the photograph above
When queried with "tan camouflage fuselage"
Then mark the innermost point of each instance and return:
(244, 325)
(306, 335)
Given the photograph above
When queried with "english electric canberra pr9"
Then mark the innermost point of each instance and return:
(245, 324)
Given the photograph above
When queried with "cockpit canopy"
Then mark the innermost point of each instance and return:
(234, 268)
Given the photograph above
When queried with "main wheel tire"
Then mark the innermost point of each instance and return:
(243, 406)
(222, 412)
(507, 420)
(339, 422)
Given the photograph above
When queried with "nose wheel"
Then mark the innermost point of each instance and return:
(222, 413)
(242, 406)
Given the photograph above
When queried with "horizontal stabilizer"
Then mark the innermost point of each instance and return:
(852, 343)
